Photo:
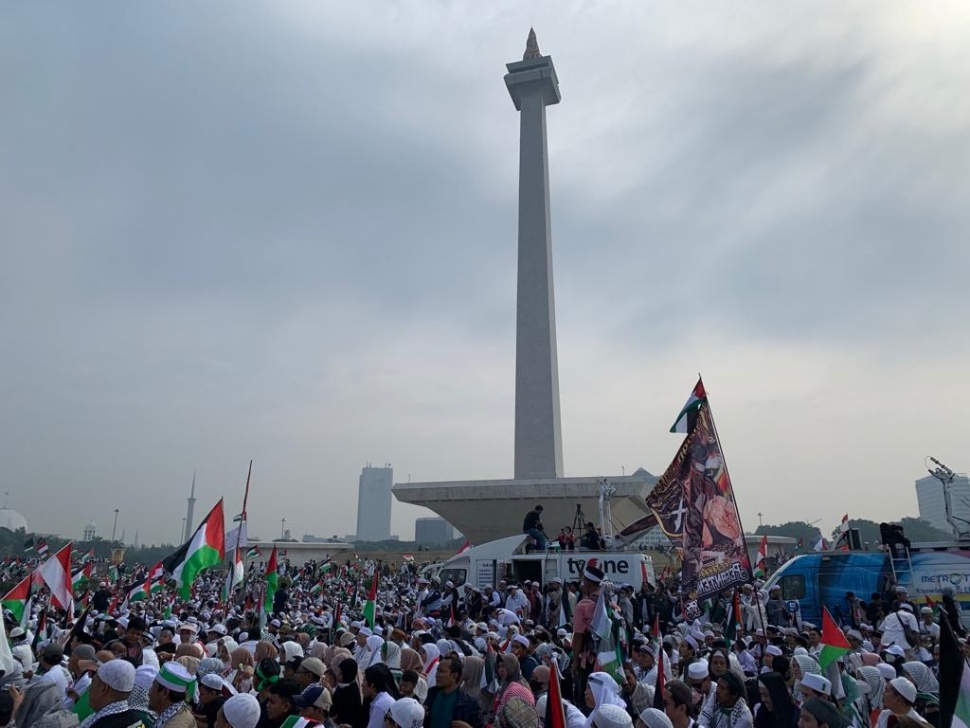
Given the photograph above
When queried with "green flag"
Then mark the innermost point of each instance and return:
(370, 608)
(272, 582)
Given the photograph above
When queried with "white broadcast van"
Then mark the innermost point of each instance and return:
(506, 558)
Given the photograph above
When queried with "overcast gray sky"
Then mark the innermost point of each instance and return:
(287, 231)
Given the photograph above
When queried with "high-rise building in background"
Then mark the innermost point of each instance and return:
(374, 503)
(932, 508)
(433, 531)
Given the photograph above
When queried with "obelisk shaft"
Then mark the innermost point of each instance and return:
(533, 85)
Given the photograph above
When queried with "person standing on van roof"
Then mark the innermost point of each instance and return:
(532, 526)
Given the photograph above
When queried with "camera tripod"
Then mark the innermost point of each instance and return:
(579, 520)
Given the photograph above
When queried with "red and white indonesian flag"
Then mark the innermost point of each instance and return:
(56, 573)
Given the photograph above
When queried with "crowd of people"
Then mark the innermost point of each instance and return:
(443, 655)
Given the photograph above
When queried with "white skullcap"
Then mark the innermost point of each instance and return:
(213, 681)
(242, 711)
(118, 675)
(366, 631)
(407, 713)
(698, 670)
(773, 650)
(524, 641)
(144, 675)
(174, 677)
(887, 671)
(611, 716)
(654, 718)
(905, 688)
(817, 683)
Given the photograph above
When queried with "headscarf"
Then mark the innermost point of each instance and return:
(808, 666)
(373, 647)
(472, 676)
(265, 648)
(189, 663)
(605, 691)
(877, 686)
(922, 677)
(430, 666)
(392, 655)
(411, 660)
(39, 699)
(783, 710)
(513, 686)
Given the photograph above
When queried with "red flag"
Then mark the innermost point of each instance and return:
(658, 691)
(464, 547)
(555, 711)
(56, 573)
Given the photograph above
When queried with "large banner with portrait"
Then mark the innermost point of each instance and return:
(695, 507)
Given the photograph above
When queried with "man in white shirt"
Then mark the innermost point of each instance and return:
(892, 628)
(517, 602)
(899, 699)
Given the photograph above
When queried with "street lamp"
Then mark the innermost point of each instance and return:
(115, 526)
(283, 529)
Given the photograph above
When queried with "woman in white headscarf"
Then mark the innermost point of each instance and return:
(430, 655)
(374, 649)
(602, 689)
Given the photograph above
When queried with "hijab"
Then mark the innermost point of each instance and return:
(605, 691)
(922, 677)
(411, 660)
(374, 647)
(392, 655)
(876, 683)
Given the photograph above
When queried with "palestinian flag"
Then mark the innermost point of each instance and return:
(761, 566)
(56, 573)
(16, 599)
(370, 608)
(42, 547)
(157, 572)
(206, 548)
(688, 415)
(296, 721)
(316, 588)
(609, 656)
(88, 557)
(113, 574)
(234, 577)
(734, 618)
(800, 545)
(28, 545)
(822, 544)
(81, 578)
(954, 678)
(254, 553)
(834, 643)
(137, 592)
(272, 582)
(555, 716)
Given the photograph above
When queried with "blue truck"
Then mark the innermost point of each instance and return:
(824, 578)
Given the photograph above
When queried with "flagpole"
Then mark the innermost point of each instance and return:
(720, 449)
(249, 475)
